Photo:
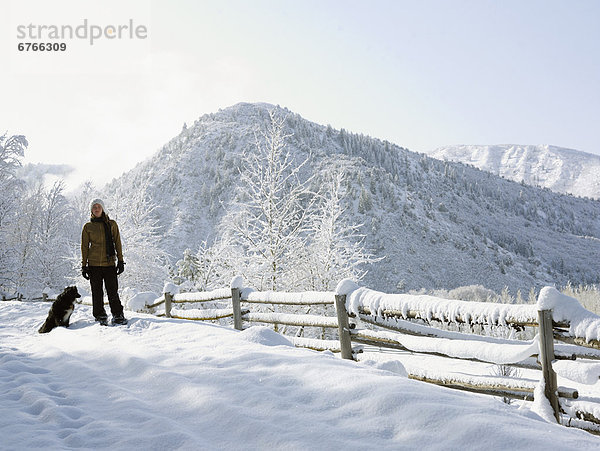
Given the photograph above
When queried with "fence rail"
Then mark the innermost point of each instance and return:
(44, 297)
(458, 319)
(291, 319)
(525, 393)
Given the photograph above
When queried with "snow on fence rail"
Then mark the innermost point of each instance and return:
(44, 297)
(310, 298)
(171, 297)
(556, 316)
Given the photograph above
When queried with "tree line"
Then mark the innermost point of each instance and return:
(281, 231)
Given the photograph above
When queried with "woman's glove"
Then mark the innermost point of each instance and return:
(120, 267)
(85, 272)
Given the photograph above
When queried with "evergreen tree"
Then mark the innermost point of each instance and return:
(187, 269)
(365, 204)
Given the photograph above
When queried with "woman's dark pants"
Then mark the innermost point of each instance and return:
(108, 275)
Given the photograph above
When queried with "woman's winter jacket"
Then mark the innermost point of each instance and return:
(93, 243)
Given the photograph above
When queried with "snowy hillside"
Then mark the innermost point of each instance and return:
(435, 223)
(562, 170)
(173, 384)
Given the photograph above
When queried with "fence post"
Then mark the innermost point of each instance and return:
(168, 299)
(546, 358)
(236, 296)
(343, 326)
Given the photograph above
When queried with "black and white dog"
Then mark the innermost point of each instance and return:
(61, 310)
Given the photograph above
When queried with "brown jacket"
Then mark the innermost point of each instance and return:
(93, 244)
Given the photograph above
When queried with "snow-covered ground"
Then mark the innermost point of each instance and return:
(173, 384)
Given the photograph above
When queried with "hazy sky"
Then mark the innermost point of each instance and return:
(421, 74)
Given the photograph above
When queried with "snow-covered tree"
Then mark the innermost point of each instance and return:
(41, 240)
(186, 270)
(208, 268)
(146, 267)
(365, 204)
(23, 238)
(337, 249)
(12, 149)
(270, 217)
(216, 265)
(80, 202)
(52, 251)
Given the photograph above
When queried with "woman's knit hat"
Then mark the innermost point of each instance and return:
(97, 201)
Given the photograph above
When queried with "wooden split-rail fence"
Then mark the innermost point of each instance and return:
(44, 297)
(388, 328)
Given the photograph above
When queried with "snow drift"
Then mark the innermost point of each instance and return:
(174, 384)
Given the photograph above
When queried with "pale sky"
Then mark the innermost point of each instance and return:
(421, 74)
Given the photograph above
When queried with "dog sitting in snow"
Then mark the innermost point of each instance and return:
(61, 310)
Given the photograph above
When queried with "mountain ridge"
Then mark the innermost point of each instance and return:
(560, 169)
(435, 224)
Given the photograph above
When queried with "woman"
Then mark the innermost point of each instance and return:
(100, 244)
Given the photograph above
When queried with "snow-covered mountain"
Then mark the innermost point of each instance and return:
(438, 224)
(562, 170)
